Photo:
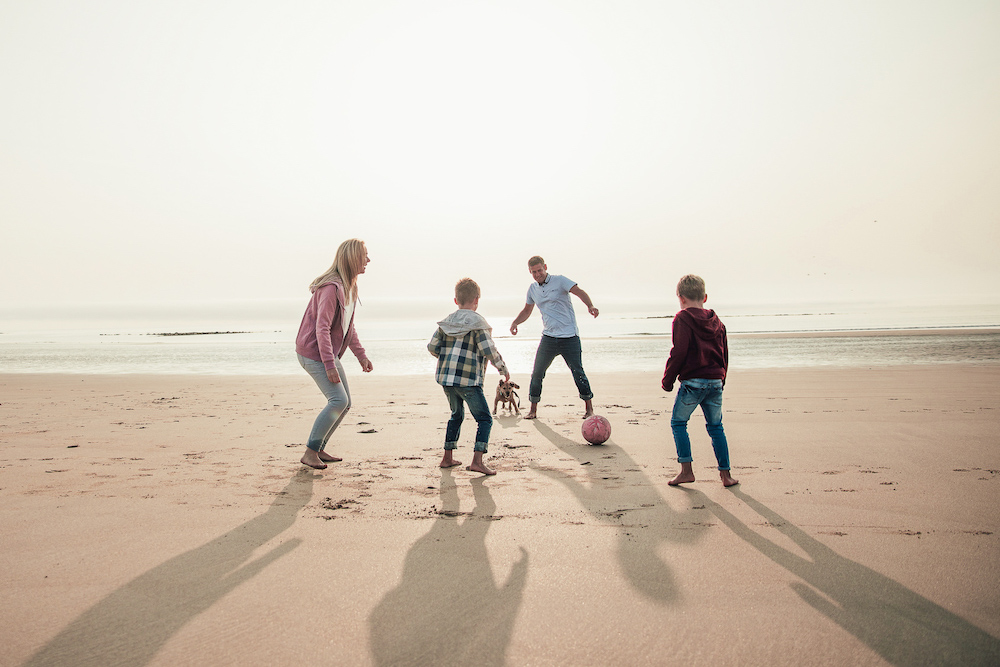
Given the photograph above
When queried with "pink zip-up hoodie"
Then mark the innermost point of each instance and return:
(321, 334)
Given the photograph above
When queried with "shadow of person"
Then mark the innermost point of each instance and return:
(131, 624)
(447, 608)
(615, 488)
(901, 626)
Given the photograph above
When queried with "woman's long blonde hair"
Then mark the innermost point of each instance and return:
(347, 264)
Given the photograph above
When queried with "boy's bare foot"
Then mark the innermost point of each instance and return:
(480, 468)
(727, 479)
(329, 458)
(311, 459)
(686, 475)
(682, 479)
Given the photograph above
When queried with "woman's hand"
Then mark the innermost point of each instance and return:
(366, 365)
(332, 375)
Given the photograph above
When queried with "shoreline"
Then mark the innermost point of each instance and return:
(870, 331)
(355, 375)
(832, 333)
(398, 358)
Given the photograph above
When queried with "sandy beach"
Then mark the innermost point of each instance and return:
(166, 520)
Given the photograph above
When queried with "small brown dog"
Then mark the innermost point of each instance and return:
(507, 397)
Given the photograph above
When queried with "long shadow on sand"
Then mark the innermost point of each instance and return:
(901, 626)
(130, 625)
(616, 492)
(447, 608)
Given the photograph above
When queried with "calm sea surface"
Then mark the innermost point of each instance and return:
(759, 338)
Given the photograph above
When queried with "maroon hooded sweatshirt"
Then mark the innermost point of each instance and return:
(700, 349)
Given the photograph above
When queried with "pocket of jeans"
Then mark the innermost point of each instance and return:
(687, 395)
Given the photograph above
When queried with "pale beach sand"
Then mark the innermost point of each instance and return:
(165, 520)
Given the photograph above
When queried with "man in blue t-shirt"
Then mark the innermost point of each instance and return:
(560, 335)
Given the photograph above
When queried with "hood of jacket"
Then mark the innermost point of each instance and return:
(703, 322)
(331, 281)
(463, 321)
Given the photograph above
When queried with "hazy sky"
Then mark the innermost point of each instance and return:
(787, 151)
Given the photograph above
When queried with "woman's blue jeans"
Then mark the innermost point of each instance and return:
(707, 394)
(572, 353)
(480, 409)
(338, 402)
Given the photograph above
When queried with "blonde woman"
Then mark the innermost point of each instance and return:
(327, 330)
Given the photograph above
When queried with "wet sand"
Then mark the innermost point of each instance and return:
(165, 520)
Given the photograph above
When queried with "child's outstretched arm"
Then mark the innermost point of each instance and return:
(489, 351)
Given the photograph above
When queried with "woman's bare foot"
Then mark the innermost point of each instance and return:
(311, 459)
(323, 456)
(727, 479)
(480, 468)
(686, 475)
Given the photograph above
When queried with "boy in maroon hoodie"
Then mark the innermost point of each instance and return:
(699, 358)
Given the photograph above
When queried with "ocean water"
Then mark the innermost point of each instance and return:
(759, 338)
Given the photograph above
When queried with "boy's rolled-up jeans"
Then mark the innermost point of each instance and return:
(480, 409)
(707, 394)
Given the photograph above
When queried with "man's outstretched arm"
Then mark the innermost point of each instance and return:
(586, 300)
(521, 317)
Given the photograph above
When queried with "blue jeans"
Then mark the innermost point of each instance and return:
(480, 409)
(338, 402)
(571, 352)
(707, 394)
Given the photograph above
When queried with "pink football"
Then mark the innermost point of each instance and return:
(596, 429)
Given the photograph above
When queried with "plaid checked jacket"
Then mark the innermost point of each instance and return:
(462, 358)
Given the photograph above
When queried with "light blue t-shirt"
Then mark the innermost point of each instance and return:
(553, 301)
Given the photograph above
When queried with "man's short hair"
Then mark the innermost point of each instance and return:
(466, 291)
(691, 287)
(535, 261)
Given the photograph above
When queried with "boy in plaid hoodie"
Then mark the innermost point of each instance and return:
(462, 345)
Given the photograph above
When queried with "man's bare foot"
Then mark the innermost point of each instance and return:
(480, 468)
(589, 413)
(727, 479)
(329, 458)
(686, 475)
(589, 409)
(311, 459)
(531, 415)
